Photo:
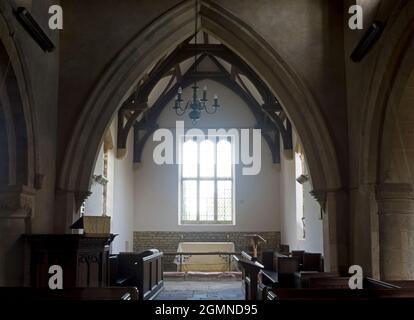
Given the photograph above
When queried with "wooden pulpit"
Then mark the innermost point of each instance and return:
(84, 259)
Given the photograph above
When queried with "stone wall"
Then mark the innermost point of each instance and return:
(36, 74)
(168, 241)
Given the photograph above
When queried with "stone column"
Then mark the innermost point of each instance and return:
(396, 228)
(17, 205)
(364, 242)
(334, 204)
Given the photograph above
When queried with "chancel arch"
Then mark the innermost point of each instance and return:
(385, 174)
(155, 41)
(395, 182)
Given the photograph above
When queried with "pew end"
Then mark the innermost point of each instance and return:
(142, 270)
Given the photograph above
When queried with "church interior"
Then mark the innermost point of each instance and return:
(207, 149)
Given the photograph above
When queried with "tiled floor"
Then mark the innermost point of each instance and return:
(202, 290)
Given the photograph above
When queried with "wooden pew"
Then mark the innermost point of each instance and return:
(284, 249)
(298, 254)
(303, 278)
(290, 271)
(312, 262)
(402, 283)
(369, 283)
(269, 275)
(143, 270)
(329, 282)
(342, 294)
(333, 280)
(337, 288)
(44, 294)
(283, 272)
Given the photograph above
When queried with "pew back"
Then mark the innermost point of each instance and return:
(329, 282)
(342, 294)
(298, 254)
(287, 265)
(29, 294)
(312, 262)
(143, 270)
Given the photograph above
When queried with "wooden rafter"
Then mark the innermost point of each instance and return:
(222, 77)
(206, 38)
(233, 72)
(170, 65)
(178, 73)
(170, 82)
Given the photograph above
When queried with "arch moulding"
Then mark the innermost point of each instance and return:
(393, 62)
(19, 201)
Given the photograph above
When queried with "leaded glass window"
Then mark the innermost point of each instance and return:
(207, 181)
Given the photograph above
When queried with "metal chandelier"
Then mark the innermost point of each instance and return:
(196, 105)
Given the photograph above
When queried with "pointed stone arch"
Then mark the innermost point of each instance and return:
(17, 196)
(18, 64)
(18, 148)
(394, 62)
(160, 37)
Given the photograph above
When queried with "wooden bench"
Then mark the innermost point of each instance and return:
(28, 294)
(282, 272)
(337, 288)
(341, 294)
(329, 282)
(402, 283)
(286, 271)
(303, 278)
(142, 270)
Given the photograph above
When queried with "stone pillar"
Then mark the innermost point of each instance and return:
(17, 205)
(334, 204)
(396, 228)
(364, 241)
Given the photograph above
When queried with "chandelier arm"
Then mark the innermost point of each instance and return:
(214, 110)
(180, 111)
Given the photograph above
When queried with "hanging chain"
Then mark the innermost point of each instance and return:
(195, 41)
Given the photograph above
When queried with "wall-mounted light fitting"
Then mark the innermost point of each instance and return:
(100, 179)
(32, 27)
(368, 40)
(302, 178)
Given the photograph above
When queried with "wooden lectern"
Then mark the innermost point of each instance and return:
(251, 271)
